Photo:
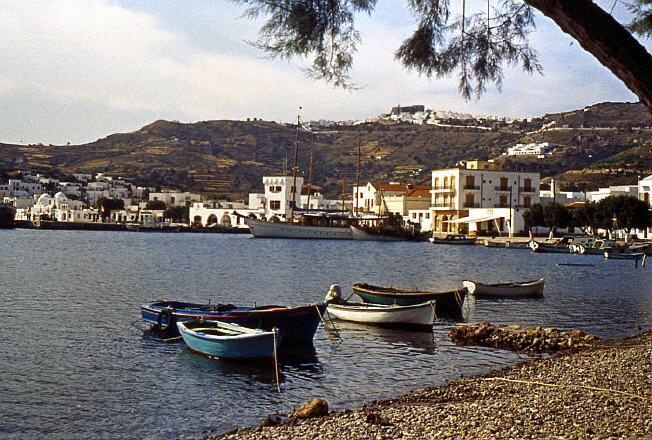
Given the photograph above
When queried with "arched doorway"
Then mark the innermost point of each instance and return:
(212, 219)
(196, 221)
(444, 225)
(226, 221)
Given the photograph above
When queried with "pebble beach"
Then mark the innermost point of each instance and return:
(604, 391)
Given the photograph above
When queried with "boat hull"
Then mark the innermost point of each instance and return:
(543, 248)
(446, 303)
(505, 290)
(261, 229)
(420, 316)
(297, 325)
(361, 234)
(624, 255)
(257, 344)
(456, 241)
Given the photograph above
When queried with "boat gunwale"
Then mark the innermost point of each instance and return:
(247, 334)
(514, 284)
(371, 307)
(393, 291)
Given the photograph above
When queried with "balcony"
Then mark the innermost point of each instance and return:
(471, 205)
(440, 206)
(472, 187)
(502, 188)
(443, 189)
(501, 205)
(526, 190)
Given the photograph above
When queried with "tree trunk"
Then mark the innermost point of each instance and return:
(606, 39)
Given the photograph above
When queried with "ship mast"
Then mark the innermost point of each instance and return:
(295, 169)
(312, 147)
(357, 182)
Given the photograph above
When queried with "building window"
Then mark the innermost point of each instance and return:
(275, 204)
(504, 184)
(469, 200)
(503, 202)
(527, 201)
(452, 182)
(445, 182)
(172, 200)
(527, 184)
(427, 215)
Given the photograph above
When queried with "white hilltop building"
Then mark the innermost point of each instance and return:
(541, 150)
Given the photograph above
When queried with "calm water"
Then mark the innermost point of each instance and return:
(74, 366)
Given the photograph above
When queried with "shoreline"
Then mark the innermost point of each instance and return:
(601, 391)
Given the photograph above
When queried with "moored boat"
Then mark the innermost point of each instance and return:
(228, 341)
(624, 255)
(419, 316)
(385, 234)
(296, 324)
(447, 303)
(505, 290)
(452, 239)
(412, 317)
(548, 248)
(264, 229)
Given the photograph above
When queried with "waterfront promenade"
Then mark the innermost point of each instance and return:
(601, 392)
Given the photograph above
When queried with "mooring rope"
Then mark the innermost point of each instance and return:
(278, 381)
(554, 385)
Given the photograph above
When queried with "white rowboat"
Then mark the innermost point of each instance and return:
(419, 316)
(505, 290)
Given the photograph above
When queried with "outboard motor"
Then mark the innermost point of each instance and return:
(334, 295)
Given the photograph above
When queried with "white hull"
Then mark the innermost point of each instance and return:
(264, 229)
(420, 315)
(505, 290)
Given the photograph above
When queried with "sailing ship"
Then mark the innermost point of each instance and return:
(313, 224)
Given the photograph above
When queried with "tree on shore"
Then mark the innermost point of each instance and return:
(623, 212)
(477, 45)
(155, 205)
(551, 216)
(179, 214)
(106, 205)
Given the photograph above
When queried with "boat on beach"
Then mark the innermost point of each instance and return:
(228, 341)
(296, 324)
(447, 303)
(532, 288)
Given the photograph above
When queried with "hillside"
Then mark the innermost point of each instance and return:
(230, 157)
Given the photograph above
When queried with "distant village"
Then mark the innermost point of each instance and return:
(475, 197)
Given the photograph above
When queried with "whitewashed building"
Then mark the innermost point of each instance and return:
(644, 193)
(620, 190)
(481, 198)
(222, 213)
(370, 197)
(173, 198)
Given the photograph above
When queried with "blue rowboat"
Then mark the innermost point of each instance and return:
(228, 341)
(296, 324)
(446, 303)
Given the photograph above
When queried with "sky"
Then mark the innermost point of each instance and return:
(79, 70)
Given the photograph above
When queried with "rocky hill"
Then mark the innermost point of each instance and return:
(609, 142)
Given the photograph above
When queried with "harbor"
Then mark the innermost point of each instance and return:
(58, 386)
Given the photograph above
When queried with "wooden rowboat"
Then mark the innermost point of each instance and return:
(624, 255)
(505, 290)
(417, 317)
(446, 303)
(228, 341)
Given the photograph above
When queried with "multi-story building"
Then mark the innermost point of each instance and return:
(542, 149)
(372, 197)
(481, 198)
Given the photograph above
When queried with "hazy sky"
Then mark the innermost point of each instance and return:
(79, 70)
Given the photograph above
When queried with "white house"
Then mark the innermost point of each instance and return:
(603, 193)
(644, 191)
(370, 197)
(553, 195)
(175, 198)
(222, 213)
(278, 195)
(481, 198)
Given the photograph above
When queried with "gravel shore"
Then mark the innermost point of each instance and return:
(600, 392)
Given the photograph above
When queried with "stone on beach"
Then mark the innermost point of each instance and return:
(314, 408)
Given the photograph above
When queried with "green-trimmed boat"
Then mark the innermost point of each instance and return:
(446, 303)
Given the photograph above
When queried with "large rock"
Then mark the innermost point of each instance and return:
(314, 408)
(518, 338)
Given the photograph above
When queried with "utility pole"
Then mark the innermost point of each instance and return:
(312, 147)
